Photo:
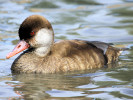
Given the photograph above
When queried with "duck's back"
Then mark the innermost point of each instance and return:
(67, 55)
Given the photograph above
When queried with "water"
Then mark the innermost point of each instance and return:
(101, 20)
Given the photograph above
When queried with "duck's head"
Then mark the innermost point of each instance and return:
(35, 32)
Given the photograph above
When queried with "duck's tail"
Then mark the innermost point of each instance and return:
(113, 53)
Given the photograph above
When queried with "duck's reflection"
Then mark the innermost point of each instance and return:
(35, 86)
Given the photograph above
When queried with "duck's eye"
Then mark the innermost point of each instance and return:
(32, 33)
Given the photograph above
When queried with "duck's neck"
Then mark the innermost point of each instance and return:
(42, 51)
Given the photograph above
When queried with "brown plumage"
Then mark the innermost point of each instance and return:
(73, 55)
(62, 56)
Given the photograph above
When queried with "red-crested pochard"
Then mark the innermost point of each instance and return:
(46, 56)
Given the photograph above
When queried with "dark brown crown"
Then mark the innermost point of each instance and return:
(33, 24)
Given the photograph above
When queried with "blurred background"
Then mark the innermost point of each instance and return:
(94, 20)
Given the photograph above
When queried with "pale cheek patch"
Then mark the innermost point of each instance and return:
(44, 37)
(42, 41)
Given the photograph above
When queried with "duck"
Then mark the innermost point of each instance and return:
(42, 55)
